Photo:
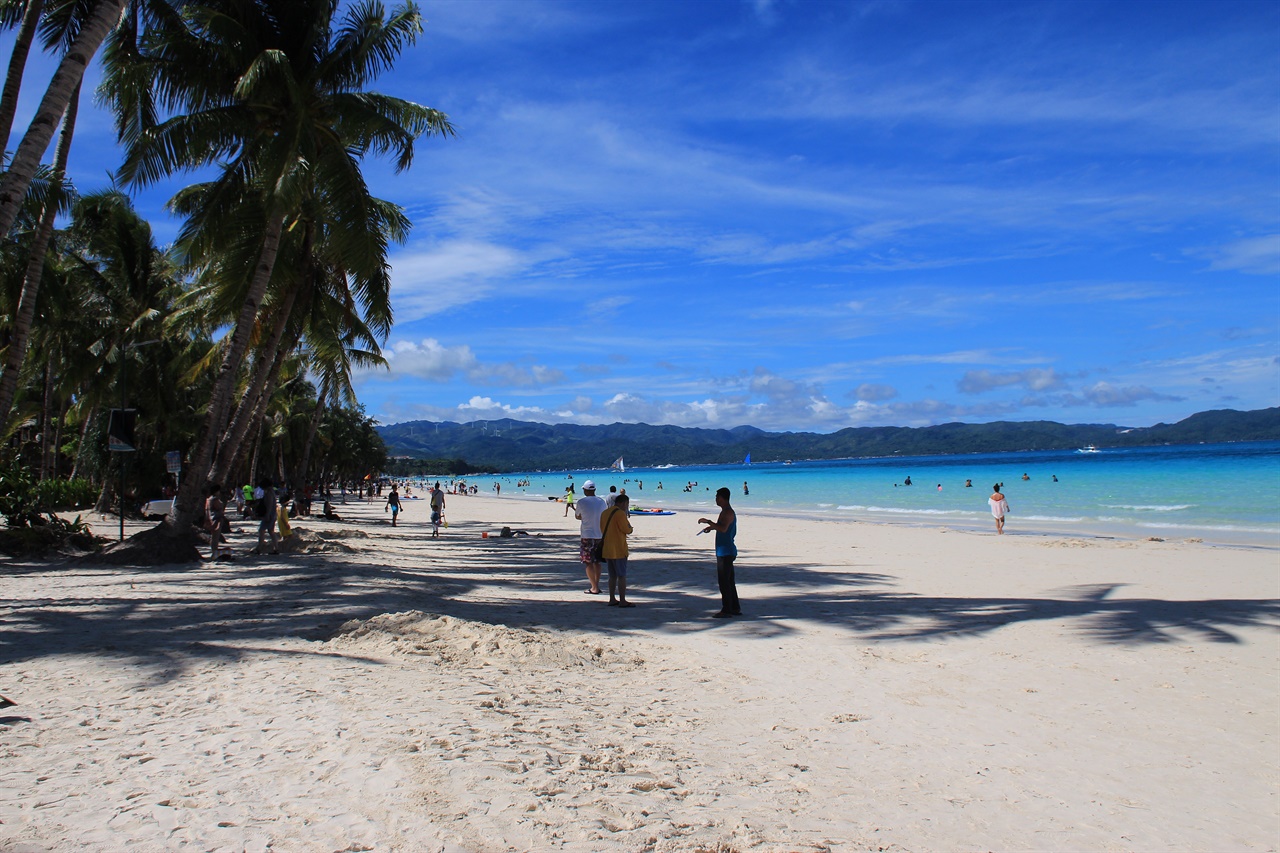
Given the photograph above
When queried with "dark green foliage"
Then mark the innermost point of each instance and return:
(424, 467)
(515, 445)
(33, 527)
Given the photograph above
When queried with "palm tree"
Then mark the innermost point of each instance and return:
(128, 286)
(24, 312)
(273, 89)
(53, 106)
(26, 15)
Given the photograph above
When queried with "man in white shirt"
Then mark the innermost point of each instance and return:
(587, 510)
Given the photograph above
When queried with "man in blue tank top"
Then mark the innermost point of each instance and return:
(726, 528)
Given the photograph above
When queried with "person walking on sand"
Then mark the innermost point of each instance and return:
(588, 512)
(393, 504)
(568, 501)
(726, 528)
(437, 510)
(214, 513)
(999, 507)
(265, 506)
(615, 526)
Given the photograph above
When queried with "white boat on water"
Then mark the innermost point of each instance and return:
(1088, 448)
(619, 465)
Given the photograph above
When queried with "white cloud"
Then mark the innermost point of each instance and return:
(1257, 255)
(870, 392)
(1034, 379)
(452, 273)
(430, 360)
(1104, 394)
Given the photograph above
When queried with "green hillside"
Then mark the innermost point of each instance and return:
(509, 445)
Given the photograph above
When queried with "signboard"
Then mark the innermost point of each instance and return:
(120, 430)
(173, 461)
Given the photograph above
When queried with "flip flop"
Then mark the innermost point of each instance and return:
(591, 592)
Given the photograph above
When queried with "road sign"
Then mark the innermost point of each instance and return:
(173, 461)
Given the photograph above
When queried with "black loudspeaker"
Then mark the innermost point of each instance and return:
(120, 430)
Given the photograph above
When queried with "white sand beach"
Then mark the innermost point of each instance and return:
(889, 688)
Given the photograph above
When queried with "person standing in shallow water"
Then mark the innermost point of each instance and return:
(726, 528)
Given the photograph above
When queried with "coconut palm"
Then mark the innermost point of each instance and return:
(24, 312)
(273, 90)
(66, 79)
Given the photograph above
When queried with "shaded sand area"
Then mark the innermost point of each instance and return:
(889, 688)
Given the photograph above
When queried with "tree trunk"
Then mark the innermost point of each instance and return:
(17, 67)
(257, 448)
(188, 505)
(46, 418)
(57, 435)
(268, 368)
(26, 313)
(26, 160)
(305, 465)
(106, 498)
(84, 432)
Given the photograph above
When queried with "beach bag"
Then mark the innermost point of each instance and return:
(598, 551)
(260, 508)
(224, 524)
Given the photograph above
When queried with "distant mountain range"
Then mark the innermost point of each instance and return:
(509, 445)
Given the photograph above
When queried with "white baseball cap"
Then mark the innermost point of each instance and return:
(589, 486)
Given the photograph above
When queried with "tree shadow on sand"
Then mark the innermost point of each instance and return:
(171, 617)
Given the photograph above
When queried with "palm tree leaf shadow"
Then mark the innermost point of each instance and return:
(1099, 616)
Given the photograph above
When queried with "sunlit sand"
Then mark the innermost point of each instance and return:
(889, 688)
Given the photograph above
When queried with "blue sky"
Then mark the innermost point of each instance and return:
(810, 215)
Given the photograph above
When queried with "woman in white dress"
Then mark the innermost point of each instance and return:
(999, 507)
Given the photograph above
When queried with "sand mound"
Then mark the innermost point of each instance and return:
(310, 542)
(159, 546)
(466, 644)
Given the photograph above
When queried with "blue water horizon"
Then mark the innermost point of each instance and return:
(1222, 493)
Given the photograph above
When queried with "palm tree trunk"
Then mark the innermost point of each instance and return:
(26, 160)
(57, 436)
(305, 465)
(187, 505)
(26, 313)
(17, 67)
(46, 418)
(257, 448)
(84, 433)
(268, 367)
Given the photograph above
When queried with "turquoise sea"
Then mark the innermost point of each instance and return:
(1226, 493)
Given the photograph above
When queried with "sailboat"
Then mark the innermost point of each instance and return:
(747, 461)
(619, 466)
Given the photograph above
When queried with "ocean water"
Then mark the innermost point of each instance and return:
(1228, 493)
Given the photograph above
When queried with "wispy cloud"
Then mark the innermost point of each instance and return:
(1256, 255)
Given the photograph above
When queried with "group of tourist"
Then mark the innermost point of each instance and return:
(605, 526)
